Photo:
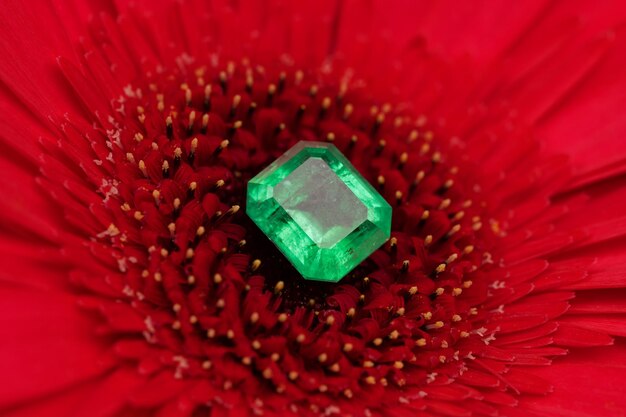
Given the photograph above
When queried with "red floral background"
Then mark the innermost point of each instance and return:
(133, 284)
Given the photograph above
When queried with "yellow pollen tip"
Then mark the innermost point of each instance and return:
(255, 264)
(142, 167)
(445, 204)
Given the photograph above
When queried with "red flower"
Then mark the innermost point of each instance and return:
(133, 285)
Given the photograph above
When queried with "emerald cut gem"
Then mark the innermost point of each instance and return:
(319, 211)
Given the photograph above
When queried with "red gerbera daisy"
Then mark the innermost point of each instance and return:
(133, 284)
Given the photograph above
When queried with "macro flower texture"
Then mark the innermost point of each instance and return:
(134, 284)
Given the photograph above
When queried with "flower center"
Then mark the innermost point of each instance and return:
(224, 302)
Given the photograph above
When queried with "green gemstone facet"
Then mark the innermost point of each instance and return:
(319, 211)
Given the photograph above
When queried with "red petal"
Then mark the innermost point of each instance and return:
(52, 345)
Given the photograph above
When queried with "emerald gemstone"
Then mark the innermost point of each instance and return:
(319, 211)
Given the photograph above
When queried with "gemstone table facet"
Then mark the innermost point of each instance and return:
(319, 211)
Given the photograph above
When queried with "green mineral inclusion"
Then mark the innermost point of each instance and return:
(319, 211)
